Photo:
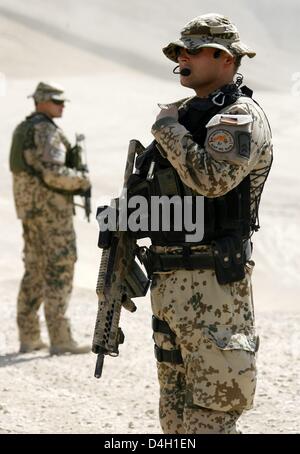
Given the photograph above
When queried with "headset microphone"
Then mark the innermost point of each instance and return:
(185, 72)
(182, 72)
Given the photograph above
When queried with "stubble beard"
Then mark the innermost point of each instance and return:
(196, 84)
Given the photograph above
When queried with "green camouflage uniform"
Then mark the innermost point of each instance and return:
(213, 323)
(44, 202)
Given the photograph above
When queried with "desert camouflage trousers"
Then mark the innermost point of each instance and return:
(49, 256)
(213, 327)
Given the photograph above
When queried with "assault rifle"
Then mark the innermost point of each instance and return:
(75, 159)
(120, 278)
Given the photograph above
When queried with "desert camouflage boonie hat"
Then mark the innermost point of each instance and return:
(47, 91)
(209, 30)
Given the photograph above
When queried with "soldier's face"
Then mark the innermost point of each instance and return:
(54, 109)
(206, 70)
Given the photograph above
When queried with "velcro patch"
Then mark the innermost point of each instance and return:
(221, 141)
(227, 120)
(243, 140)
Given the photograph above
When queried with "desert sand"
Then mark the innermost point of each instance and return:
(108, 57)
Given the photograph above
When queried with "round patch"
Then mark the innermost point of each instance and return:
(221, 141)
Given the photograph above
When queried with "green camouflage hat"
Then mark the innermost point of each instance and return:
(47, 91)
(209, 30)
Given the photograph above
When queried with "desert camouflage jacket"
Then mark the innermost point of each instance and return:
(238, 143)
(49, 188)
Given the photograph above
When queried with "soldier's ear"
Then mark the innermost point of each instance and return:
(229, 60)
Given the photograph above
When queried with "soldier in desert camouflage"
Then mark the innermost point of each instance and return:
(43, 190)
(219, 143)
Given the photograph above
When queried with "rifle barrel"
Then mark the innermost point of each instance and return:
(99, 365)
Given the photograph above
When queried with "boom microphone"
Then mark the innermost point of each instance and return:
(185, 72)
(182, 72)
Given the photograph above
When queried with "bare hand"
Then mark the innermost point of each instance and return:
(86, 184)
(171, 111)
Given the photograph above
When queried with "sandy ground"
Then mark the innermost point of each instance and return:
(44, 394)
(112, 103)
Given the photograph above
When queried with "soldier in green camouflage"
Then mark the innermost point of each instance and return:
(219, 143)
(43, 191)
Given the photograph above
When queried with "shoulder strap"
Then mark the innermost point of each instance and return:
(39, 117)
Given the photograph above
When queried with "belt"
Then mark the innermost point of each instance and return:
(190, 260)
(168, 262)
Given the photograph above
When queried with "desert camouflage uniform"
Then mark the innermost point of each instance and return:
(213, 324)
(49, 237)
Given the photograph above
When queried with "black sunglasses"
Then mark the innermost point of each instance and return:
(57, 102)
(188, 51)
(193, 51)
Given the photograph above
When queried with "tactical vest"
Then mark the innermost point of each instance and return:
(23, 139)
(228, 215)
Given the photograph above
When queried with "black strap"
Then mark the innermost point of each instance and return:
(39, 117)
(167, 356)
(160, 326)
(246, 91)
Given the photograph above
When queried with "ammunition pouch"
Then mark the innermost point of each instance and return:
(227, 258)
(136, 282)
(105, 239)
(230, 256)
(105, 236)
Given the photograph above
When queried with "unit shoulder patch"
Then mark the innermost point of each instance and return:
(221, 141)
(229, 137)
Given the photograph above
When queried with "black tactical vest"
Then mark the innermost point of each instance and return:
(23, 139)
(228, 215)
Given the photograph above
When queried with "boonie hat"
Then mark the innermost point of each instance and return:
(47, 91)
(209, 30)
